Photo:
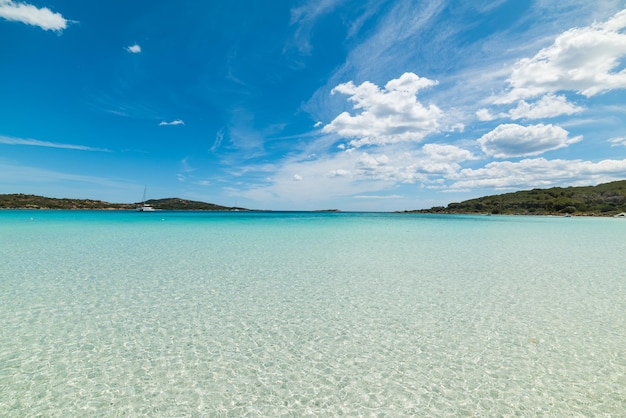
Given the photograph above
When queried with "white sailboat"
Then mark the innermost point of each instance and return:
(144, 207)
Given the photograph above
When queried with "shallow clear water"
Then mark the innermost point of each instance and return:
(270, 314)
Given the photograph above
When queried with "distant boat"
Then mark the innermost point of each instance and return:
(145, 207)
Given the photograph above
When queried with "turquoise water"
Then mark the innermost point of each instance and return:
(321, 314)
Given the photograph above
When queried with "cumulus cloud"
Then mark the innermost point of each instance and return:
(134, 49)
(356, 172)
(548, 106)
(484, 115)
(172, 123)
(388, 115)
(32, 15)
(320, 180)
(444, 158)
(512, 140)
(423, 165)
(377, 167)
(585, 60)
(539, 172)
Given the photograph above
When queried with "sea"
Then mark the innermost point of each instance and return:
(289, 314)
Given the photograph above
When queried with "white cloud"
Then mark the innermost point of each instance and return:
(339, 173)
(484, 115)
(32, 15)
(548, 106)
(449, 155)
(353, 172)
(378, 167)
(37, 143)
(370, 161)
(459, 127)
(619, 141)
(185, 166)
(317, 186)
(391, 196)
(304, 18)
(584, 60)
(297, 177)
(512, 140)
(389, 115)
(398, 166)
(134, 49)
(219, 137)
(34, 177)
(539, 172)
(172, 123)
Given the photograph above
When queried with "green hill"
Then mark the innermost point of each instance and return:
(604, 199)
(174, 203)
(27, 201)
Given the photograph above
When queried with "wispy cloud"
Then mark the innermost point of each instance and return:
(43, 17)
(134, 49)
(185, 166)
(185, 169)
(391, 196)
(619, 141)
(36, 177)
(219, 137)
(172, 123)
(37, 143)
(304, 17)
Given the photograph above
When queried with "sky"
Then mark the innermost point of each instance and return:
(357, 105)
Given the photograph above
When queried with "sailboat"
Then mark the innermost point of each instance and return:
(145, 207)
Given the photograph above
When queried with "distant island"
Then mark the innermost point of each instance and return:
(606, 199)
(28, 201)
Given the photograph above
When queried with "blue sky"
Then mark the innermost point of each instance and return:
(304, 105)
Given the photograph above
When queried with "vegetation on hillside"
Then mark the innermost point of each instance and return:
(175, 203)
(29, 201)
(26, 201)
(604, 199)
